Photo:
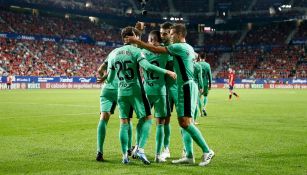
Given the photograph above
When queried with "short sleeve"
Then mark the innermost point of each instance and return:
(173, 49)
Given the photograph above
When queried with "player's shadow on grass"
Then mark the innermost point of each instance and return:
(139, 163)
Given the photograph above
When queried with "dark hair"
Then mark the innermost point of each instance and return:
(166, 25)
(130, 31)
(180, 28)
(157, 35)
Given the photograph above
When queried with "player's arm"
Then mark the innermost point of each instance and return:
(102, 73)
(102, 69)
(147, 66)
(152, 48)
(111, 73)
(200, 79)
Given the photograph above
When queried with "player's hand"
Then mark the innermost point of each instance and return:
(173, 75)
(131, 39)
(140, 26)
(201, 91)
(100, 80)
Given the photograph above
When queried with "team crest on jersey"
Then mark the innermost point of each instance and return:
(143, 55)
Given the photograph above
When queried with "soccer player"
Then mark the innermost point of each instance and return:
(171, 89)
(231, 83)
(183, 55)
(125, 65)
(199, 82)
(108, 98)
(207, 79)
(9, 81)
(156, 90)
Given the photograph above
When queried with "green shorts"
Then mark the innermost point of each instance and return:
(187, 99)
(138, 103)
(172, 94)
(159, 102)
(108, 100)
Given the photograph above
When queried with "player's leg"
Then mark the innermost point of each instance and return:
(205, 94)
(101, 132)
(181, 108)
(235, 94)
(198, 108)
(124, 111)
(230, 92)
(142, 107)
(130, 132)
(161, 112)
(172, 98)
(189, 103)
(172, 101)
(107, 107)
(159, 139)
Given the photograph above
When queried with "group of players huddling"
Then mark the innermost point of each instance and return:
(161, 73)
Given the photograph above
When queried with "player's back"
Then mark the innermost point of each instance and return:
(183, 54)
(197, 72)
(127, 69)
(108, 61)
(231, 77)
(205, 69)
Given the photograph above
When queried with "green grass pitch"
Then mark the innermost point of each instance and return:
(54, 132)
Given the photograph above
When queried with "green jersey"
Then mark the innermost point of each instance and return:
(114, 84)
(126, 67)
(206, 73)
(155, 82)
(198, 75)
(107, 88)
(170, 83)
(183, 55)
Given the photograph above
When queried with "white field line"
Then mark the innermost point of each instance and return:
(52, 104)
(38, 116)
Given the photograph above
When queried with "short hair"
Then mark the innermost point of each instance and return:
(129, 31)
(157, 35)
(166, 25)
(180, 28)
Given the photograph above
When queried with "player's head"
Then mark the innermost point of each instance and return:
(202, 57)
(196, 58)
(165, 30)
(230, 70)
(130, 31)
(178, 33)
(137, 33)
(154, 38)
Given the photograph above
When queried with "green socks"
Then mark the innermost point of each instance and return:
(167, 135)
(199, 103)
(130, 135)
(123, 136)
(205, 101)
(101, 134)
(138, 132)
(159, 138)
(188, 143)
(197, 137)
(195, 114)
(145, 130)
